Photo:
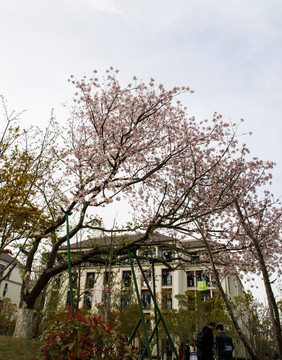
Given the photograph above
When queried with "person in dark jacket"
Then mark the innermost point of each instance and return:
(184, 351)
(187, 351)
(206, 344)
(224, 344)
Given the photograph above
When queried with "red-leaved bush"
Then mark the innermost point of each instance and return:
(83, 337)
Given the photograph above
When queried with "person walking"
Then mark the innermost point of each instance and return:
(205, 342)
(224, 344)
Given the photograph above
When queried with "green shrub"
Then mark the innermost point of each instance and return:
(83, 337)
(7, 316)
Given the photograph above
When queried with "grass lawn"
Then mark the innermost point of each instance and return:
(18, 349)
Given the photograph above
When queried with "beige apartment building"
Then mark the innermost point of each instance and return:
(192, 275)
(10, 287)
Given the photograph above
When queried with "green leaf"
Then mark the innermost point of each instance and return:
(71, 345)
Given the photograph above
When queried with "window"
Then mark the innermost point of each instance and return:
(166, 299)
(1, 270)
(194, 258)
(91, 264)
(126, 278)
(166, 254)
(2, 267)
(205, 277)
(5, 290)
(87, 302)
(75, 301)
(106, 293)
(145, 299)
(149, 254)
(74, 280)
(108, 275)
(148, 275)
(125, 260)
(90, 280)
(125, 299)
(202, 276)
(68, 303)
(206, 295)
(190, 279)
(166, 277)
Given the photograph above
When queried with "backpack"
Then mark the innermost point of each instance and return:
(227, 348)
(200, 340)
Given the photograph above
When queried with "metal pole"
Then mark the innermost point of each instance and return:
(69, 259)
(155, 309)
(140, 308)
(151, 337)
(158, 310)
(134, 331)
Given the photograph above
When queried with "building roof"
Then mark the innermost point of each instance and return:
(191, 243)
(108, 240)
(6, 257)
(111, 240)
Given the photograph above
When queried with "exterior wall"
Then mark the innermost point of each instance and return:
(233, 286)
(167, 287)
(11, 287)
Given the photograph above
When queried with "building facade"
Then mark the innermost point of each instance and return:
(95, 282)
(10, 287)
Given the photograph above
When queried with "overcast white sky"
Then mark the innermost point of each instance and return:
(228, 51)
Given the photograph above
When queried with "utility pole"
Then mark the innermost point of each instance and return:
(67, 213)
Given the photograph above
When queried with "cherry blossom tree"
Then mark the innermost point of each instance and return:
(260, 225)
(256, 319)
(115, 139)
(136, 142)
(253, 230)
(228, 210)
(245, 236)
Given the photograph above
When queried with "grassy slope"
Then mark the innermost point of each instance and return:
(18, 349)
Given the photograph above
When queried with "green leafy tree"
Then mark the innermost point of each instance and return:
(124, 311)
(7, 316)
(257, 321)
(194, 313)
(23, 170)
